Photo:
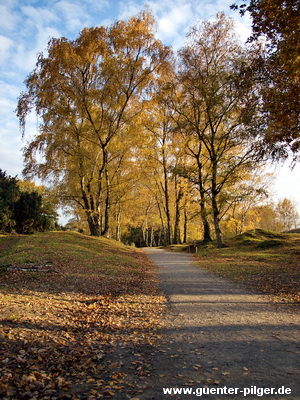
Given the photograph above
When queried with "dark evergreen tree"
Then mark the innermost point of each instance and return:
(9, 194)
(24, 211)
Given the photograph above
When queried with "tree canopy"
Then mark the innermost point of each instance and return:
(24, 207)
(146, 146)
(277, 23)
(88, 92)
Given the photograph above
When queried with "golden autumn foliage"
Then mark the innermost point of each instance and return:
(143, 147)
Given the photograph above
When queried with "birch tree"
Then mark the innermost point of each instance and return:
(85, 93)
(220, 116)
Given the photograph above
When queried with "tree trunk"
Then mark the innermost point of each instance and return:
(216, 213)
(167, 201)
(165, 233)
(179, 195)
(145, 226)
(105, 231)
(145, 236)
(159, 237)
(185, 224)
(203, 213)
(94, 224)
(215, 208)
(118, 223)
(152, 240)
(93, 216)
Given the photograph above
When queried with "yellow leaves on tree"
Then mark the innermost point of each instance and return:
(88, 92)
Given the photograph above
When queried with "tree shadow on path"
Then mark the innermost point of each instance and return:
(215, 333)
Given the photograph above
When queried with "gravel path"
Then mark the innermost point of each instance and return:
(216, 334)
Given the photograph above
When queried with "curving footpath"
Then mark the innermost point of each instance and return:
(220, 341)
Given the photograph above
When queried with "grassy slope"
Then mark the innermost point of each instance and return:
(63, 324)
(83, 264)
(264, 261)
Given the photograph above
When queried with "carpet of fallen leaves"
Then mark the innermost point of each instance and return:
(76, 335)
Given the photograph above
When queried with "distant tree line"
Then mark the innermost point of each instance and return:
(157, 148)
(24, 207)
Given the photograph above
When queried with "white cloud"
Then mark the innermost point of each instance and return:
(25, 54)
(174, 21)
(207, 9)
(39, 15)
(286, 179)
(129, 8)
(43, 36)
(175, 17)
(99, 4)
(11, 141)
(27, 25)
(243, 27)
(106, 22)
(11, 160)
(172, 17)
(74, 16)
(7, 106)
(8, 91)
(6, 44)
(9, 20)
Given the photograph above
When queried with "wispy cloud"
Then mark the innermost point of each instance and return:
(6, 45)
(173, 22)
(25, 54)
(74, 16)
(174, 17)
(207, 9)
(9, 19)
(39, 15)
(129, 8)
(171, 17)
(27, 25)
(25, 29)
(11, 143)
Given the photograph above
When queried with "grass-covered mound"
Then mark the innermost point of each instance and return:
(265, 261)
(73, 310)
(74, 262)
(262, 238)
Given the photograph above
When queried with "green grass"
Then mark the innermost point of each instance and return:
(72, 257)
(264, 261)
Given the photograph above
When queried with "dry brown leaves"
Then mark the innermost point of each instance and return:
(59, 346)
(83, 342)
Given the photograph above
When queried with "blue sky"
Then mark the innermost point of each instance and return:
(27, 25)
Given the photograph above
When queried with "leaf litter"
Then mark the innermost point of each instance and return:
(77, 344)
